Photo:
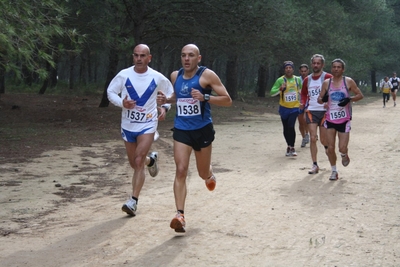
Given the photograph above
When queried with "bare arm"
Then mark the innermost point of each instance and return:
(324, 90)
(162, 99)
(351, 84)
(304, 92)
(211, 79)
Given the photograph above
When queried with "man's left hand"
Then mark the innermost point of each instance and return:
(162, 113)
(344, 102)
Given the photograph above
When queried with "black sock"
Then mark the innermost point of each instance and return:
(151, 162)
(135, 198)
(315, 163)
(181, 212)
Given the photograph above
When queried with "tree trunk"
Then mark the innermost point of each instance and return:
(262, 81)
(112, 69)
(95, 68)
(231, 77)
(53, 75)
(83, 71)
(89, 66)
(46, 81)
(2, 78)
(71, 71)
(27, 76)
(373, 81)
(242, 78)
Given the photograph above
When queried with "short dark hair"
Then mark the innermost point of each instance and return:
(303, 66)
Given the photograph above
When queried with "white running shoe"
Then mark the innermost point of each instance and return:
(314, 169)
(153, 170)
(293, 152)
(334, 176)
(130, 206)
(288, 154)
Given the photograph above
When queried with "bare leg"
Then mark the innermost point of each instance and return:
(203, 162)
(137, 156)
(312, 128)
(302, 125)
(182, 156)
(344, 139)
(331, 139)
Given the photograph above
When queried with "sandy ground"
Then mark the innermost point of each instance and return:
(266, 209)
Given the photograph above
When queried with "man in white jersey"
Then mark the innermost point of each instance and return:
(193, 127)
(135, 90)
(336, 93)
(315, 114)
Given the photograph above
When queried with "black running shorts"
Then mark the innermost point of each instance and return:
(197, 139)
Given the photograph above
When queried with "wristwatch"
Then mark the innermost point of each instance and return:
(206, 97)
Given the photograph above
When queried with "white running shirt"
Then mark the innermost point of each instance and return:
(313, 92)
(143, 88)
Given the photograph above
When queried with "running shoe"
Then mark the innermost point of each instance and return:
(178, 223)
(211, 182)
(334, 176)
(303, 142)
(153, 170)
(345, 160)
(130, 207)
(314, 169)
(288, 154)
(394, 104)
(307, 138)
(293, 152)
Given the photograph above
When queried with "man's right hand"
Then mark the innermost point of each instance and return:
(128, 103)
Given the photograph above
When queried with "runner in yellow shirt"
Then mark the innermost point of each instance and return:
(288, 87)
(386, 86)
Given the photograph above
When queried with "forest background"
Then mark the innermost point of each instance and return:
(70, 46)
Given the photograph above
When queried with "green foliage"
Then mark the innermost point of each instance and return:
(28, 31)
(364, 33)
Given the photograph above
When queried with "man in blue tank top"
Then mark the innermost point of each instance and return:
(193, 127)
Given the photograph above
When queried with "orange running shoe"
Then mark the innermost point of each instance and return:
(211, 182)
(178, 223)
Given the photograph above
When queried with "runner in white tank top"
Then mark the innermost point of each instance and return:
(315, 112)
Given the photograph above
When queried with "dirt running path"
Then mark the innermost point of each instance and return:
(266, 210)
